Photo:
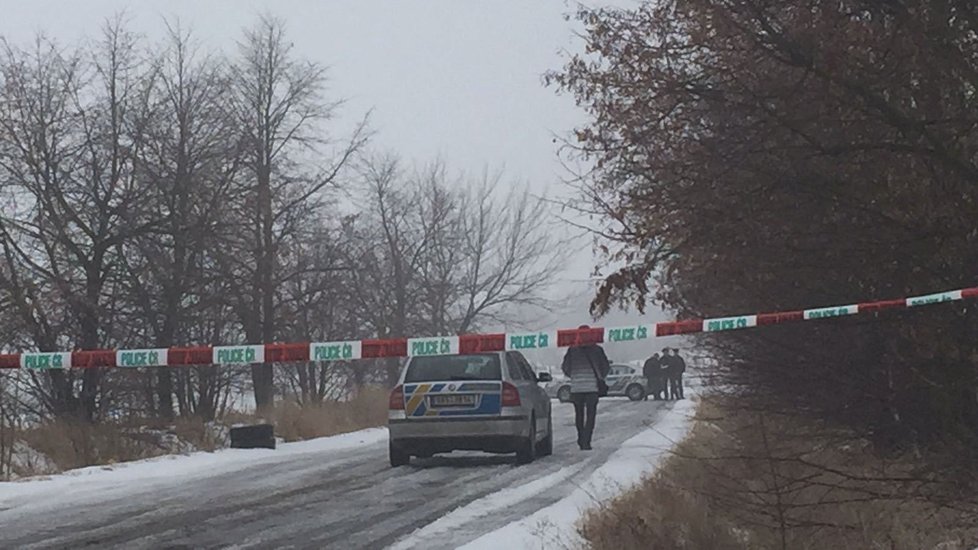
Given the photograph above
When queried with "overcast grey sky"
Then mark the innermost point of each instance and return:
(450, 78)
(458, 80)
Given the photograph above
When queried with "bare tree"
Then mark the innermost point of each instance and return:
(159, 195)
(386, 249)
(510, 256)
(439, 216)
(69, 150)
(314, 306)
(439, 255)
(280, 107)
(187, 166)
(37, 147)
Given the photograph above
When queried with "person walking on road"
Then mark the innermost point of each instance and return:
(585, 366)
(676, 366)
(650, 370)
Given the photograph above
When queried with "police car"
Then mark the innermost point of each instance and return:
(622, 380)
(481, 402)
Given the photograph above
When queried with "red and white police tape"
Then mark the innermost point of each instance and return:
(441, 345)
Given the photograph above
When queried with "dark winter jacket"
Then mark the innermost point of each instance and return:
(675, 365)
(577, 366)
(650, 370)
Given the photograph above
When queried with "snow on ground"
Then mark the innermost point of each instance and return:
(555, 525)
(167, 467)
(26, 458)
(487, 505)
(283, 491)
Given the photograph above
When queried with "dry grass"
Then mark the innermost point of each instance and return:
(204, 436)
(72, 444)
(295, 423)
(656, 515)
(744, 481)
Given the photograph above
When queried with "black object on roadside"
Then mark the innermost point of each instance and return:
(259, 436)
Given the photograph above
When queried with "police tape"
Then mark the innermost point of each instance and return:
(348, 350)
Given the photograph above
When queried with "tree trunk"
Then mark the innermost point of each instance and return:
(261, 375)
(164, 393)
(88, 398)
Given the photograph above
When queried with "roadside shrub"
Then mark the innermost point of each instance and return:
(749, 479)
(64, 444)
(295, 422)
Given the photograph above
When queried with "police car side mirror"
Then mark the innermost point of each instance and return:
(544, 377)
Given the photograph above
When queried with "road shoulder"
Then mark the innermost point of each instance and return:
(554, 525)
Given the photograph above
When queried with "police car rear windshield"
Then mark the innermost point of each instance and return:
(454, 367)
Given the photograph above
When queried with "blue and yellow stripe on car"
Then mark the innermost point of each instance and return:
(415, 398)
(488, 400)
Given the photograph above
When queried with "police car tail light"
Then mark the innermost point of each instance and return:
(396, 400)
(511, 397)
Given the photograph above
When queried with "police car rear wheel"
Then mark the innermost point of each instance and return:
(547, 445)
(528, 448)
(398, 456)
(635, 392)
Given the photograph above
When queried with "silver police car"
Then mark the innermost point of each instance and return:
(622, 379)
(482, 402)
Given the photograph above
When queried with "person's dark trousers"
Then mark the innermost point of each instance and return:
(585, 407)
(676, 387)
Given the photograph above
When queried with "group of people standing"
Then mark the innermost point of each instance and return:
(587, 367)
(665, 374)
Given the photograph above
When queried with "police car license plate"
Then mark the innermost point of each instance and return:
(463, 400)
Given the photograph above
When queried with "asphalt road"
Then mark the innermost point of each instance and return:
(336, 499)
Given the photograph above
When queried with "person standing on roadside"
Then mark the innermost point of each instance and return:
(653, 377)
(664, 374)
(585, 366)
(676, 366)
